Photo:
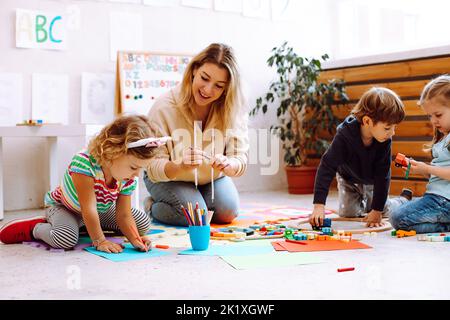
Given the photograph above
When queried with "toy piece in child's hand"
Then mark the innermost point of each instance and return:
(149, 142)
(401, 160)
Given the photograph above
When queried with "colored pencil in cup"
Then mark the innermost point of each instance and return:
(203, 215)
(210, 214)
(186, 215)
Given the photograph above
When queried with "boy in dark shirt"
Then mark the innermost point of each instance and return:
(360, 158)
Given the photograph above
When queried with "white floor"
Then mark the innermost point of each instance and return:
(393, 269)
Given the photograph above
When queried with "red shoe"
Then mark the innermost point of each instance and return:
(17, 231)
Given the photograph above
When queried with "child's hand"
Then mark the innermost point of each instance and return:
(419, 167)
(316, 218)
(110, 247)
(373, 219)
(145, 245)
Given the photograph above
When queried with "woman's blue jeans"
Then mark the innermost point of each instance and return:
(428, 214)
(169, 196)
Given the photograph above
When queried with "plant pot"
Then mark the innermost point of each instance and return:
(300, 179)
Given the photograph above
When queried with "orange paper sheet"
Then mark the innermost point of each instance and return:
(277, 246)
(315, 245)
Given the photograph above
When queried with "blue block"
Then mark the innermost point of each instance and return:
(300, 236)
(326, 222)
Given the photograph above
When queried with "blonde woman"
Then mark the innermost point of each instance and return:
(197, 165)
(95, 192)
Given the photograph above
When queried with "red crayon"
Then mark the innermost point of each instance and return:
(345, 269)
(296, 241)
(186, 214)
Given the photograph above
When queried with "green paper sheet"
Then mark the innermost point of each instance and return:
(267, 260)
(230, 250)
(129, 253)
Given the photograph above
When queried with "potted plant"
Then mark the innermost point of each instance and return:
(304, 111)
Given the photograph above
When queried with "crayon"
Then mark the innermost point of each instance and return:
(345, 269)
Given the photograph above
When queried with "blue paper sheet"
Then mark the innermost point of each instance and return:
(230, 250)
(129, 253)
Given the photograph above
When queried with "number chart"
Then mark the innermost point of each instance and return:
(144, 76)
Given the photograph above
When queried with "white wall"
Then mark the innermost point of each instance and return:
(173, 29)
(366, 27)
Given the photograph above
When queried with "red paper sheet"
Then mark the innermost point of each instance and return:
(315, 245)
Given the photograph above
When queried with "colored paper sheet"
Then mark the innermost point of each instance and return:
(267, 260)
(314, 245)
(84, 242)
(278, 247)
(50, 98)
(129, 253)
(97, 97)
(11, 102)
(230, 250)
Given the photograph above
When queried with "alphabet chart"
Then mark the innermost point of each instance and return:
(36, 29)
(143, 76)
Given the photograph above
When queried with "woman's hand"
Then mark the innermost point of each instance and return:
(192, 158)
(224, 164)
(109, 247)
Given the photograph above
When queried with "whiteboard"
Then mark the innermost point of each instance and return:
(144, 76)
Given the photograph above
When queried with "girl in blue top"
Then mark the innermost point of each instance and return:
(431, 213)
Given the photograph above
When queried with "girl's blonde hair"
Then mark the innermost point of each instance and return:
(111, 142)
(436, 88)
(230, 103)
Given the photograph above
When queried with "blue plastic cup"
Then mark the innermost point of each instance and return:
(199, 236)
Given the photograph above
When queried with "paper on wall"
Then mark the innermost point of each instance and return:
(39, 29)
(50, 101)
(11, 103)
(97, 98)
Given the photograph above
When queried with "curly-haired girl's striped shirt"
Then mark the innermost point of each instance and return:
(84, 163)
